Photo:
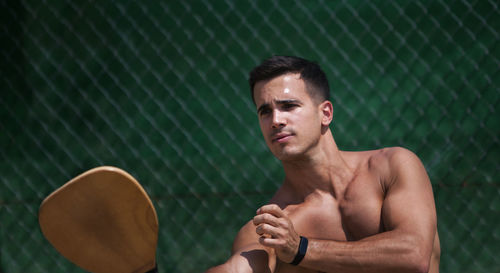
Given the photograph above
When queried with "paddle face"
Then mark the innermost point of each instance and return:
(103, 221)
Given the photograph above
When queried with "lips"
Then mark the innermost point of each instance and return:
(281, 137)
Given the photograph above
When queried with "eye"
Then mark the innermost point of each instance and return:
(264, 111)
(289, 106)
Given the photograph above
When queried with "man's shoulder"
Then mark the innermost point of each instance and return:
(393, 163)
(396, 157)
(393, 155)
(388, 155)
(386, 163)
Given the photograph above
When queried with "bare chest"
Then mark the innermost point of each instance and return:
(353, 217)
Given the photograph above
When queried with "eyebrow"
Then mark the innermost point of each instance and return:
(262, 107)
(279, 102)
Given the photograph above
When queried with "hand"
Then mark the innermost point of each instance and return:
(276, 231)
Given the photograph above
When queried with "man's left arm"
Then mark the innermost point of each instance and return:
(409, 218)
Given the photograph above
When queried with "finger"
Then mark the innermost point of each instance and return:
(266, 219)
(270, 242)
(267, 231)
(271, 209)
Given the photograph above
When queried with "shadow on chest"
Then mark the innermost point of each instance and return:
(353, 216)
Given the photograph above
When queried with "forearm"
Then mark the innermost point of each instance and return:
(247, 261)
(384, 252)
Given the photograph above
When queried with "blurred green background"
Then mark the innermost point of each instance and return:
(159, 88)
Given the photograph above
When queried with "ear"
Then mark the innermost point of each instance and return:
(326, 109)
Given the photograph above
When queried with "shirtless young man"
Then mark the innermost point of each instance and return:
(370, 211)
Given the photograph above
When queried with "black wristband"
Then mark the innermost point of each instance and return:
(302, 251)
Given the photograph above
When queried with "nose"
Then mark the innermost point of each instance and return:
(279, 121)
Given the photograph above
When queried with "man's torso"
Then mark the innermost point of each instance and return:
(349, 214)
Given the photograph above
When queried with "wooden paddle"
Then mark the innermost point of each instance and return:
(103, 221)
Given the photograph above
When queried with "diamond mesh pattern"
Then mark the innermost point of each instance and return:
(159, 89)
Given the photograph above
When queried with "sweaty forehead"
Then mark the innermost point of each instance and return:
(288, 86)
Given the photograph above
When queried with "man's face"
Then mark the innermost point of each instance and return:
(289, 118)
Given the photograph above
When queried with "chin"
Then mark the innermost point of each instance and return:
(287, 154)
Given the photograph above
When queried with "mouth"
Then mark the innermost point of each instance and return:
(281, 137)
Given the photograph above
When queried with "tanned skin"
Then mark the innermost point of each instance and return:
(370, 211)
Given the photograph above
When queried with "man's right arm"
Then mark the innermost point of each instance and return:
(247, 254)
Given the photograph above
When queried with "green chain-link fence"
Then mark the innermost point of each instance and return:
(159, 89)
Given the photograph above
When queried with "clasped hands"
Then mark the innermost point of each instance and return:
(276, 231)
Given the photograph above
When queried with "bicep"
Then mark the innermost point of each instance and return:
(409, 202)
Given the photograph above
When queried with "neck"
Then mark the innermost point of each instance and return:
(322, 170)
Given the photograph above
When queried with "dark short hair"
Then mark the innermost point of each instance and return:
(310, 72)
